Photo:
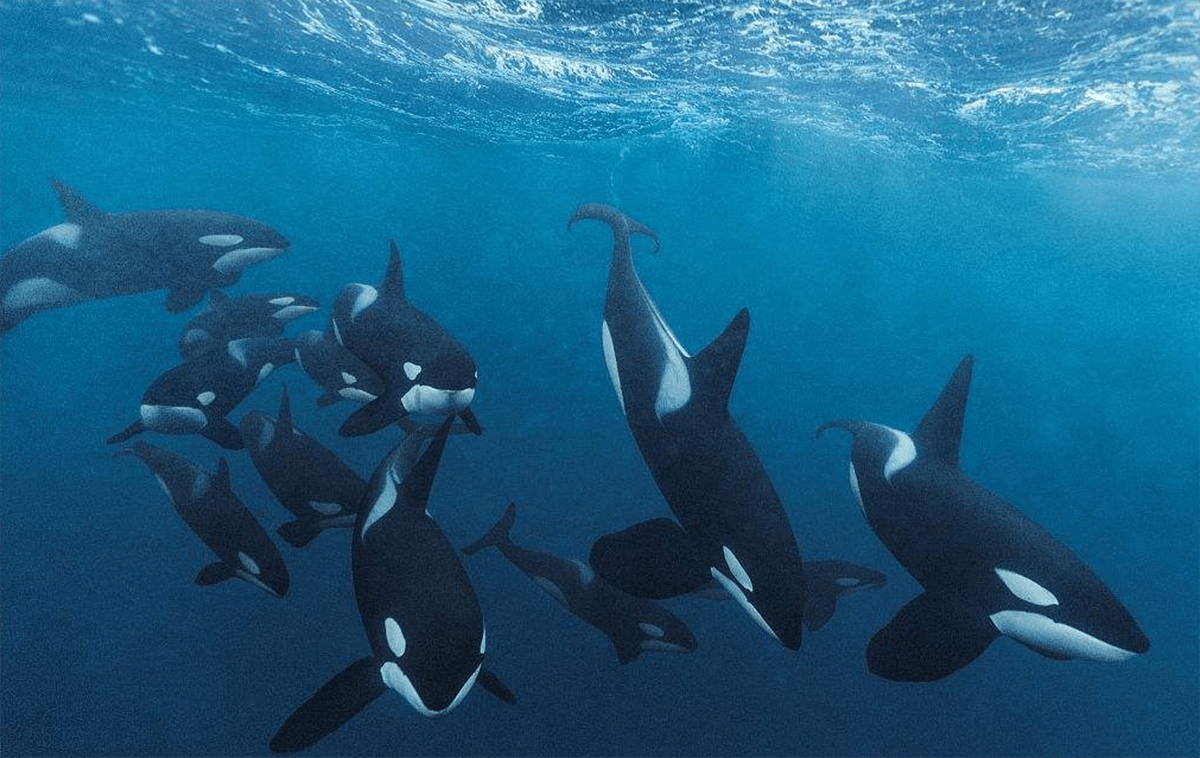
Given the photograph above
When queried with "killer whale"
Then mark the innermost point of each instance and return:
(306, 477)
(227, 318)
(656, 559)
(336, 370)
(676, 406)
(418, 608)
(424, 369)
(632, 624)
(206, 503)
(94, 254)
(195, 396)
(986, 568)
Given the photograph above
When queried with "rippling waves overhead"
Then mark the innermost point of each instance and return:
(1058, 83)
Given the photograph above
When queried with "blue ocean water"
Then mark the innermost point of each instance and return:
(886, 186)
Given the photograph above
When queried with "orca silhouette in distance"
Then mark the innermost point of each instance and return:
(417, 605)
(336, 370)
(423, 367)
(95, 254)
(207, 504)
(632, 624)
(306, 477)
(676, 406)
(986, 569)
(228, 318)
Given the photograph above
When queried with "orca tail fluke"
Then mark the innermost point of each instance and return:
(850, 426)
(299, 533)
(134, 429)
(622, 225)
(497, 535)
(338, 701)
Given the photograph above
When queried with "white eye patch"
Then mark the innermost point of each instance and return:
(220, 240)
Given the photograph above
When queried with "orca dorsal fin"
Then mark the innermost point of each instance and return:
(393, 281)
(716, 366)
(75, 206)
(940, 431)
(285, 411)
(419, 481)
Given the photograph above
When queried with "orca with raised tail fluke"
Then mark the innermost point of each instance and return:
(95, 254)
(676, 405)
(986, 568)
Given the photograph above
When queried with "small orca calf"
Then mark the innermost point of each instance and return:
(195, 396)
(418, 607)
(206, 503)
(676, 405)
(656, 559)
(94, 255)
(632, 624)
(229, 318)
(423, 367)
(305, 476)
(336, 370)
(986, 568)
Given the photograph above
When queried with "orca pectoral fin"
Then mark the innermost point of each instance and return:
(492, 684)
(137, 427)
(338, 701)
(299, 533)
(214, 573)
(818, 609)
(468, 417)
(373, 416)
(181, 298)
(219, 430)
(327, 399)
(653, 559)
(927, 640)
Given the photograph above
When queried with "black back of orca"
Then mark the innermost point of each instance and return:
(423, 367)
(196, 396)
(632, 624)
(95, 254)
(207, 504)
(987, 569)
(677, 408)
(230, 318)
(307, 478)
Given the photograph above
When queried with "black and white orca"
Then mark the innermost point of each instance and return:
(227, 318)
(195, 396)
(418, 607)
(423, 367)
(986, 568)
(207, 504)
(632, 624)
(94, 255)
(656, 559)
(336, 370)
(676, 405)
(306, 477)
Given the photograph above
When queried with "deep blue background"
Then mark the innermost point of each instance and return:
(867, 274)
